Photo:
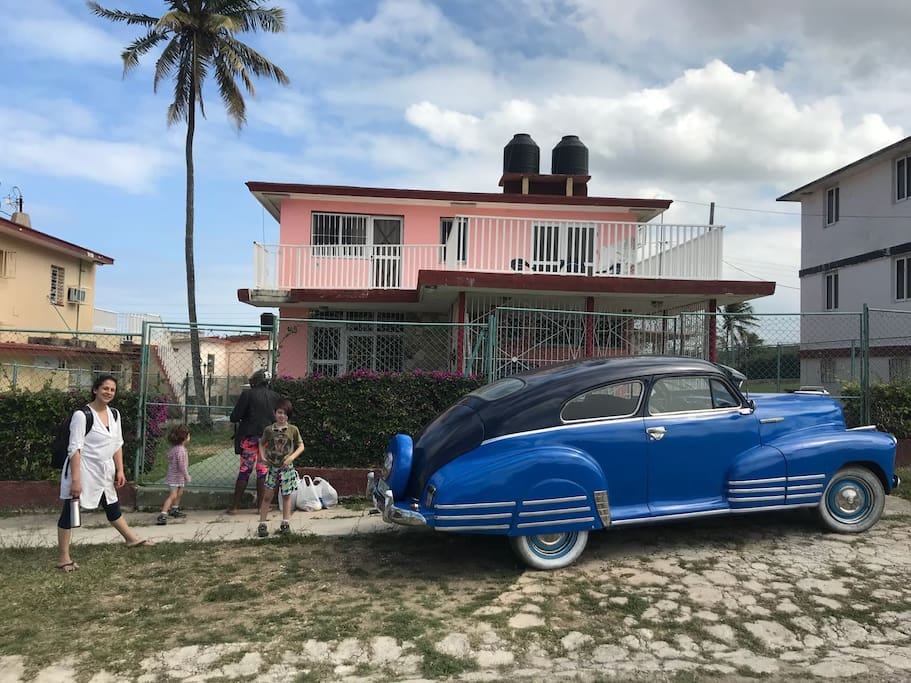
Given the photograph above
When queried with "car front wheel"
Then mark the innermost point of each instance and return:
(549, 551)
(853, 501)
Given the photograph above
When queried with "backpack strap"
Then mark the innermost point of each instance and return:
(89, 418)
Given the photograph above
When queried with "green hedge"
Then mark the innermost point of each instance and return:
(29, 420)
(890, 407)
(348, 421)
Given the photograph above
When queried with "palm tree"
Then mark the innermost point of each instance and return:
(199, 37)
(738, 324)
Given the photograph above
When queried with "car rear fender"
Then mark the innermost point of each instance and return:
(827, 452)
(546, 488)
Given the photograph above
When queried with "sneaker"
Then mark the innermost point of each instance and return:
(262, 530)
(284, 528)
(177, 513)
(162, 519)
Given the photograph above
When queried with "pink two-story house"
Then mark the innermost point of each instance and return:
(386, 256)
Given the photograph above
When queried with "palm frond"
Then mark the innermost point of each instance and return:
(236, 65)
(183, 87)
(175, 21)
(255, 62)
(270, 20)
(138, 48)
(230, 94)
(168, 59)
(120, 16)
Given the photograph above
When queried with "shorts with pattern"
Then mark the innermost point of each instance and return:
(286, 476)
(249, 456)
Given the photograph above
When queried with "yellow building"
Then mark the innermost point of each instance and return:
(46, 283)
(47, 296)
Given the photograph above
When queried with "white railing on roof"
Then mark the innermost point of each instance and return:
(491, 244)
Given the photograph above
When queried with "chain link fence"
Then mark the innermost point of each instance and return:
(69, 361)
(777, 352)
(177, 390)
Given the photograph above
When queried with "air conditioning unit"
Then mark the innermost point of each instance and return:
(75, 295)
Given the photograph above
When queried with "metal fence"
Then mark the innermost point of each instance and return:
(778, 352)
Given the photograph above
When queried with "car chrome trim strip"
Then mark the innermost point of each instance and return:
(569, 425)
(807, 477)
(563, 511)
(469, 527)
(804, 487)
(602, 505)
(764, 489)
(741, 482)
(577, 520)
(681, 515)
(865, 428)
(547, 501)
(818, 494)
(473, 506)
(770, 420)
(764, 508)
(754, 499)
(449, 518)
(709, 513)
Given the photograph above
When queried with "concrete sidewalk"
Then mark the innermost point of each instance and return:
(199, 525)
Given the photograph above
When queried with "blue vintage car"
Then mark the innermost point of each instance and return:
(547, 456)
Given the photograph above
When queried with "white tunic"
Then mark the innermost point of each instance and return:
(97, 462)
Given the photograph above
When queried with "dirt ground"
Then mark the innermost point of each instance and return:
(769, 597)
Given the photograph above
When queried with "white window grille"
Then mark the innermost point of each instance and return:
(335, 234)
(833, 209)
(58, 275)
(827, 370)
(832, 291)
(899, 369)
(903, 278)
(902, 178)
(461, 238)
(7, 263)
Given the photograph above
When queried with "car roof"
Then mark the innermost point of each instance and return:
(538, 404)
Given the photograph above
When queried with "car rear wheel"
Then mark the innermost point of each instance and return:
(549, 551)
(853, 501)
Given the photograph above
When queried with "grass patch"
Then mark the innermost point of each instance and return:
(204, 443)
(435, 664)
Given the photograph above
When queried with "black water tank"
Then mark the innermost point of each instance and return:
(521, 155)
(570, 157)
(266, 321)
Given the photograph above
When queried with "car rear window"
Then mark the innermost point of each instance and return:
(499, 389)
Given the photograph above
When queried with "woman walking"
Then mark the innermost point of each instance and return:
(93, 470)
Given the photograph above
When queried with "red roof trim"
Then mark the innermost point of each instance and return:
(54, 242)
(441, 195)
(55, 350)
(592, 285)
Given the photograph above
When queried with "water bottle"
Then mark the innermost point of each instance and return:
(75, 515)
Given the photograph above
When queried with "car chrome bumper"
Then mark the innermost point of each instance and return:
(896, 481)
(378, 492)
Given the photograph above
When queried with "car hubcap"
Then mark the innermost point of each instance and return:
(850, 501)
(552, 545)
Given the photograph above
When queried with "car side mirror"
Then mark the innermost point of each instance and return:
(749, 408)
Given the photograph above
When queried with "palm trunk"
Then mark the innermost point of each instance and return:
(202, 412)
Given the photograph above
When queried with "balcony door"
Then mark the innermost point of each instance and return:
(563, 248)
(386, 258)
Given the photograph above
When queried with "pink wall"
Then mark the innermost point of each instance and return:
(421, 222)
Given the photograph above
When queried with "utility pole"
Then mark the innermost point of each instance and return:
(712, 213)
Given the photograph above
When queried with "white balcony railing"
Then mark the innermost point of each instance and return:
(491, 244)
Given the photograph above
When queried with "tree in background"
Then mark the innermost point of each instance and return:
(199, 39)
(738, 325)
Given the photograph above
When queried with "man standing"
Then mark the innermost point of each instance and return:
(253, 412)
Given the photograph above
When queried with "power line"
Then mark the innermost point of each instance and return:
(756, 276)
(782, 213)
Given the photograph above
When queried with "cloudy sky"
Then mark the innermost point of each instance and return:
(690, 100)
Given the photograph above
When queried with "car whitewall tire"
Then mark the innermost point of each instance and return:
(549, 551)
(853, 501)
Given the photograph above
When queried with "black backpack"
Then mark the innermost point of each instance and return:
(62, 437)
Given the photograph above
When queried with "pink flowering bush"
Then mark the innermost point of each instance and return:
(347, 421)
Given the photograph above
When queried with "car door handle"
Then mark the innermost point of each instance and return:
(655, 433)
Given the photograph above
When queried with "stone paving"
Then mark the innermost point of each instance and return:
(709, 605)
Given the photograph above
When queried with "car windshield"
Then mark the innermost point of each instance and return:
(498, 389)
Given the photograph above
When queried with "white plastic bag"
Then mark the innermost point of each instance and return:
(328, 496)
(307, 495)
